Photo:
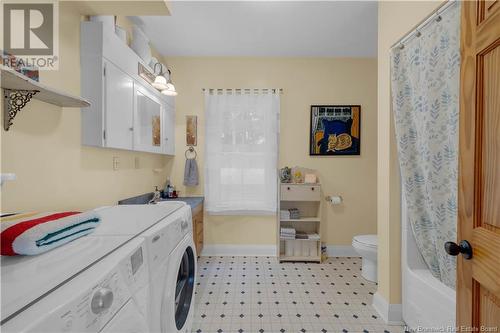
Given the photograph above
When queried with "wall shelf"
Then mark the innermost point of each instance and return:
(19, 90)
(307, 199)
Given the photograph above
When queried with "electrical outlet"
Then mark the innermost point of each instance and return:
(116, 163)
(137, 162)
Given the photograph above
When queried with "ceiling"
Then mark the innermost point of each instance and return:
(265, 28)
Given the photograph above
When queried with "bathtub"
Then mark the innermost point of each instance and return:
(426, 301)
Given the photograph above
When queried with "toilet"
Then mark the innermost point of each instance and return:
(366, 247)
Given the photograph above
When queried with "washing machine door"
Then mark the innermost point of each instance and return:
(178, 301)
(128, 320)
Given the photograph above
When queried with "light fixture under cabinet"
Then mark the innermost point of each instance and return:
(170, 89)
(160, 81)
(163, 84)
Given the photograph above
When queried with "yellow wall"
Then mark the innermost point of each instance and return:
(43, 148)
(305, 81)
(395, 19)
(55, 172)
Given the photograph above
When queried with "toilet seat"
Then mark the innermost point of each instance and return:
(369, 241)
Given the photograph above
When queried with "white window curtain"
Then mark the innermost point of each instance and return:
(242, 128)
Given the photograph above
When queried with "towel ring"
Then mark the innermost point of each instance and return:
(190, 150)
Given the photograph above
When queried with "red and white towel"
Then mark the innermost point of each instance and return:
(35, 233)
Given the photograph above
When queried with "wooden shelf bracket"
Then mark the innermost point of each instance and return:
(14, 101)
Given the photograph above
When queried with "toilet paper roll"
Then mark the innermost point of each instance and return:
(335, 199)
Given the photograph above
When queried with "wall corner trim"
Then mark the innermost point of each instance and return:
(239, 250)
(392, 314)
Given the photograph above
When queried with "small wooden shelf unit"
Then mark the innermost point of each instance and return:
(307, 199)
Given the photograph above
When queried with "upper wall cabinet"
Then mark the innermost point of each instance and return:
(126, 112)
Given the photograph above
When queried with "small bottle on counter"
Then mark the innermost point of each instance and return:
(166, 189)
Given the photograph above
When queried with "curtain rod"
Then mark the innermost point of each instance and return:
(274, 90)
(434, 15)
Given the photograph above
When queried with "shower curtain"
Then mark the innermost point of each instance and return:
(425, 91)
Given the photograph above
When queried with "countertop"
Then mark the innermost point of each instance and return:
(144, 199)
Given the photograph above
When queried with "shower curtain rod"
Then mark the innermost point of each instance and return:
(434, 15)
(210, 90)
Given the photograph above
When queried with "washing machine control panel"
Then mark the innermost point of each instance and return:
(93, 303)
(163, 241)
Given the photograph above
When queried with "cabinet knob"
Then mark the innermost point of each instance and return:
(312, 188)
(166, 139)
(130, 128)
(288, 188)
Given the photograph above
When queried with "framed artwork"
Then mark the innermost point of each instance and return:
(335, 130)
(156, 131)
(191, 130)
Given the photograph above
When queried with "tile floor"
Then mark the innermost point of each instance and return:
(258, 294)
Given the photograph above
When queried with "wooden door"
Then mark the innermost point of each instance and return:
(478, 279)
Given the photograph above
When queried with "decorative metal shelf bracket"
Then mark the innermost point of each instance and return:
(14, 101)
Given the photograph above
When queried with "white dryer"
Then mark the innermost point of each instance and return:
(28, 279)
(110, 296)
(172, 266)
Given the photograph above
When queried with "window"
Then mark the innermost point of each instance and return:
(241, 151)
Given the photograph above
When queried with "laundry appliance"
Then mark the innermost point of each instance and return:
(111, 296)
(27, 279)
(172, 267)
(171, 257)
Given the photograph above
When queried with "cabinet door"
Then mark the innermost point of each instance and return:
(168, 128)
(119, 107)
(148, 121)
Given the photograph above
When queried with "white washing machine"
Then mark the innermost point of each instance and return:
(132, 220)
(110, 296)
(172, 267)
(171, 259)
(27, 279)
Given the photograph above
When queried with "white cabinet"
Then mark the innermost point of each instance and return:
(118, 107)
(148, 121)
(126, 112)
(169, 126)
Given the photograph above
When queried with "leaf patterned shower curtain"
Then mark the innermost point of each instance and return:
(425, 92)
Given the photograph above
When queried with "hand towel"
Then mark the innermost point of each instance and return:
(191, 172)
(35, 233)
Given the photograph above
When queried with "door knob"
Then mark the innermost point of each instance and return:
(454, 249)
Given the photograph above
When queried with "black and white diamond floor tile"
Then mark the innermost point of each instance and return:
(260, 295)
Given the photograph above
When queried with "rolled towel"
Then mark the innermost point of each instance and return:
(284, 214)
(313, 237)
(35, 233)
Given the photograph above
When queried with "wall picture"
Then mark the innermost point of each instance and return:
(156, 130)
(335, 130)
(191, 130)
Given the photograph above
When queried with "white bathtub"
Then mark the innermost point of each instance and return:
(427, 302)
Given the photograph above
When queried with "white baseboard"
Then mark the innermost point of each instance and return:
(341, 251)
(238, 250)
(267, 250)
(392, 314)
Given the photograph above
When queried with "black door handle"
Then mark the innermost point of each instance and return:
(454, 249)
